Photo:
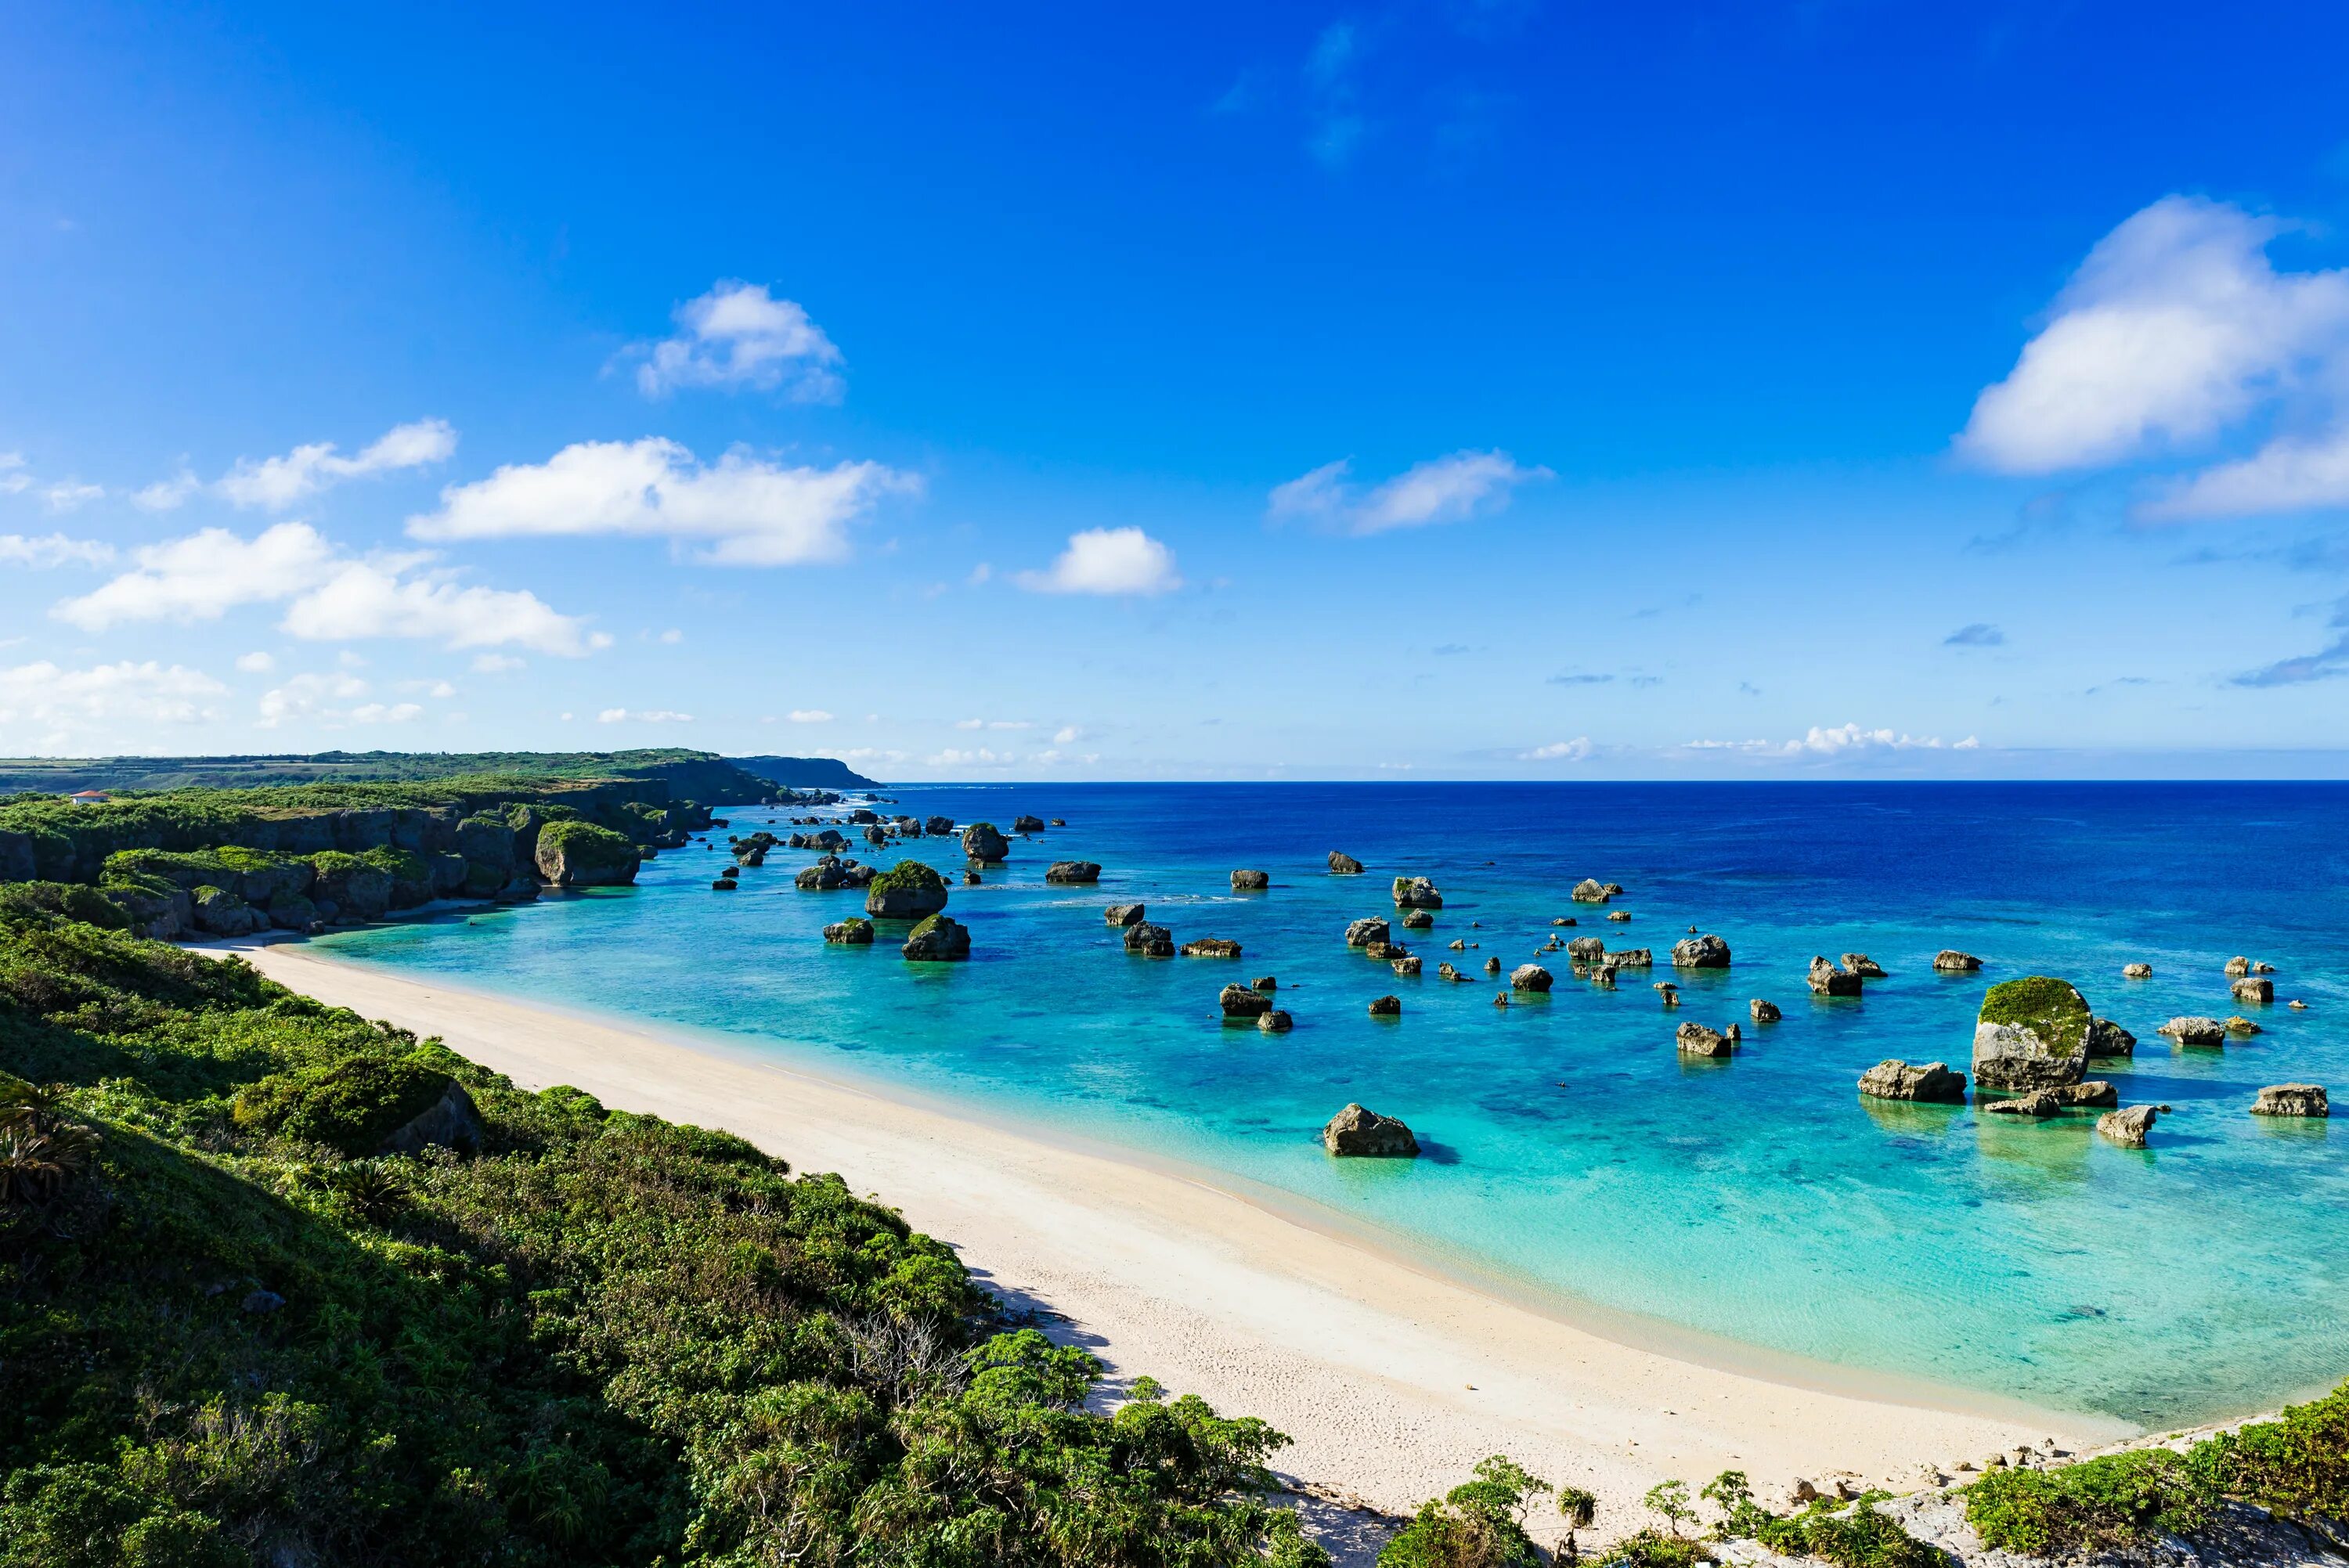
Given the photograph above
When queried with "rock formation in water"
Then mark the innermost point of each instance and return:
(2293, 1099)
(1928, 1082)
(1357, 1131)
(2031, 1034)
(1707, 952)
(1342, 864)
(1250, 881)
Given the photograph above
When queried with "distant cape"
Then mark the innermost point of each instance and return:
(806, 772)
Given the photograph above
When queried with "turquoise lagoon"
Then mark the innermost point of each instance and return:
(1573, 1156)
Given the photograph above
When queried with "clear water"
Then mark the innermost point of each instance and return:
(1571, 1150)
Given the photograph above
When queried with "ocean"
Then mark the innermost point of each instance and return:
(1572, 1156)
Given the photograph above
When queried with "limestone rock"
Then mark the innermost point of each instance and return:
(1386, 1008)
(1764, 1012)
(939, 938)
(1266, 983)
(2032, 1033)
(1073, 871)
(2195, 1031)
(1023, 823)
(1586, 949)
(1694, 1039)
(220, 913)
(851, 933)
(1446, 972)
(1492, 966)
(2238, 966)
(1590, 890)
(907, 891)
(2038, 1105)
(1212, 947)
(2239, 1025)
(1419, 920)
(1827, 980)
(1124, 914)
(1407, 964)
(1949, 961)
(2257, 988)
(1342, 864)
(1417, 893)
(2127, 1128)
(1150, 941)
(1529, 977)
(2292, 1099)
(1364, 931)
(1244, 1002)
(1706, 952)
(2107, 1038)
(941, 825)
(580, 854)
(1631, 958)
(1931, 1083)
(2137, 971)
(984, 842)
(1383, 951)
(1275, 1021)
(1357, 1131)
(1250, 882)
(1620, 915)
(2089, 1093)
(1862, 964)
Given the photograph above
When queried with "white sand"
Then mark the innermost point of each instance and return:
(1392, 1380)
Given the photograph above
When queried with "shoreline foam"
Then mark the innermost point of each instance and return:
(1393, 1375)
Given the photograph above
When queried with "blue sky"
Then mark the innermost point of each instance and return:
(1491, 389)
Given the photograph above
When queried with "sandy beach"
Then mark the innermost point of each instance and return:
(1393, 1380)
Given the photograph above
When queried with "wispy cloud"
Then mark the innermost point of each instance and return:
(1334, 96)
(1578, 750)
(1453, 489)
(808, 716)
(2327, 663)
(1842, 740)
(643, 715)
(1108, 561)
(739, 335)
(1975, 634)
(65, 703)
(276, 483)
(49, 551)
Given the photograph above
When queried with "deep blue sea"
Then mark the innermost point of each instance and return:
(1573, 1154)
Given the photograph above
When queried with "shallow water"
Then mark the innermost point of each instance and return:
(1572, 1150)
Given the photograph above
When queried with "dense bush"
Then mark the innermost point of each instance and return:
(600, 1339)
(1481, 1524)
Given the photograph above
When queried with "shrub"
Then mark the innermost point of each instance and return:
(2297, 1464)
(1479, 1523)
(352, 1104)
(911, 876)
(2098, 1504)
(71, 900)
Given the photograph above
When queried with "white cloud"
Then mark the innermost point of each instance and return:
(53, 550)
(14, 479)
(739, 335)
(2175, 327)
(1068, 734)
(643, 715)
(497, 664)
(1453, 489)
(69, 701)
(278, 483)
(1109, 561)
(256, 664)
(379, 713)
(166, 495)
(1842, 740)
(871, 753)
(750, 513)
(808, 716)
(1575, 750)
(329, 597)
(981, 758)
(308, 695)
(2287, 474)
(364, 600)
(203, 575)
(672, 635)
(67, 495)
(970, 724)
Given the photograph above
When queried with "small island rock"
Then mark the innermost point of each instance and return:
(1764, 1012)
(2137, 971)
(1342, 864)
(2195, 1031)
(1706, 952)
(2107, 1038)
(1364, 931)
(1124, 914)
(1275, 1021)
(1243, 1003)
(2127, 1128)
(938, 939)
(2293, 1099)
(1862, 964)
(1949, 961)
(1931, 1083)
(1357, 1131)
(984, 842)
(1250, 882)
(1827, 980)
(1386, 1006)
(851, 931)
(1212, 947)
(1417, 893)
(2031, 1034)
(1529, 977)
(1150, 941)
(1694, 1039)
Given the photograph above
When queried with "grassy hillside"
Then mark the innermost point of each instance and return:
(249, 1314)
(697, 775)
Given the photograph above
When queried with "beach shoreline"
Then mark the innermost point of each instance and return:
(1392, 1379)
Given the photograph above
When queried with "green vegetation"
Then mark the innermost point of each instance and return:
(584, 850)
(909, 876)
(1481, 1524)
(703, 775)
(231, 1333)
(2052, 1009)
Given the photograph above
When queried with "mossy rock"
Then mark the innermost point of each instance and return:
(907, 891)
(351, 1105)
(850, 933)
(580, 854)
(2032, 1033)
(938, 938)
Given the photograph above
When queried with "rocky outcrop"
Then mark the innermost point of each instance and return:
(2257, 988)
(2127, 1128)
(1949, 961)
(1383, 951)
(2239, 1025)
(1827, 980)
(1590, 890)
(2293, 1099)
(217, 912)
(1342, 864)
(1124, 914)
(1931, 1083)
(1706, 952)
(1364, 931)
(1386, 1008)
(907, 891)
(850, 933)
(2238, 966)
(1024, 823)
(1419, 920)
(1244, 1004)
(1862, 964)
(1275, 1021)
(1266, 983)
(1529, 977)
(1150, 941)
(831, 873)
(580, 854)
(981, 841)
(1073, 871)
(1586, 949)
(2038, 1105)
(1212, 947)
(2137, 971)
(2031, 1034)
(940, 825)
(1407, 965)
(1360, 1132)
(1694, 1039)
(938, 939)
(2195, 1031)
(1764, 1012)
(2089, 1094)
(450, 1122)
(1416, 892)
(2107, 1038)
(1629, 958)
(1250, 882)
